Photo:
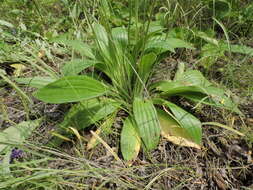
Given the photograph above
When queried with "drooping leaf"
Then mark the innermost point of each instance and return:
(221, 99)
(147, 122)
(71, 89)
(89, 112)
(172, 131)
(186, 120)
(36, 82)
(75, 66)
(130, 141)
(193, 85)
(18, 133)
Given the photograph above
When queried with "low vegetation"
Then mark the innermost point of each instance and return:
(126, 94)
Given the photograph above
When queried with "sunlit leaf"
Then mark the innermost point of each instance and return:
(71, 89)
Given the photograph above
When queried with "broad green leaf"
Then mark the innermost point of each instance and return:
(100, 34)
(77, 45)
(193, 85)
(210, 52)
(75, 66)
(84, 114)
(206, 37)
(120, 34)
(172, 88)
(219, 98)
(71, 89)
(178, 43)
(158, 46)
(102, 40)
(223, 101)
(36, 82)
(186, 120)
(146, 65)
(130, 141)
(147, 122)
(172, 131)
(193, 78)
(18, 133)
(161, 44)
(88, 112)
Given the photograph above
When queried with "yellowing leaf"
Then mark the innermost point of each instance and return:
(173, 132)
(41, 53)
(105, 128)
(108, 148)
(61, 136)
(77, 134)
(93, 141)
(18, 69)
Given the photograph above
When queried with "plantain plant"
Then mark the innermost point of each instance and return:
(120, 81)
